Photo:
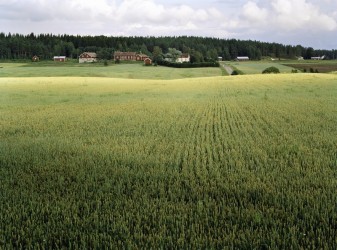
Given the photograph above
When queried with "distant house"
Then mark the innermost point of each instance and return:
(59, 58)
(183, 58)
(35, 59)
(220, 58)
(129, 56)
(242, 58)
(147, 61)
(88, 57)
(317, 57)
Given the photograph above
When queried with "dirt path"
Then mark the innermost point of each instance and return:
(228, 69)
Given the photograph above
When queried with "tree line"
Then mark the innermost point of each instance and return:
(201, 49)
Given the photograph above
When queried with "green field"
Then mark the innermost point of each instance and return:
(285, 66)
(128, 71)
(244, 162)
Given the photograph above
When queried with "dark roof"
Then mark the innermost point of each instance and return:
(91, 54)
(125, 53)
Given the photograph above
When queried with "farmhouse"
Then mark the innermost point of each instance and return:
(147, 61)
(59, 58)
(242, 58)
(129, 56)
(35, 59)
(125, 56)
(183, 58)
(87, 57)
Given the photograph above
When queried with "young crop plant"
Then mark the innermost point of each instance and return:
(201, 163)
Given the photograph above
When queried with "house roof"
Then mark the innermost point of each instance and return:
(184, 56)
(142, 55)
(91, 54)
(125, 53)
(242, 57)
(59, 57)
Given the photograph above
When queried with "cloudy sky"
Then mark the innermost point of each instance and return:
(307, 22)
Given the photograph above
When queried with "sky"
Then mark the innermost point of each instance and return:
(310, 23)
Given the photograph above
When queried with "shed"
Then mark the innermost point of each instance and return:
(147, 61)
(242, 58)
(59, 58)
(35, 59)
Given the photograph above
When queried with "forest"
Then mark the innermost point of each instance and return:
(201, 49)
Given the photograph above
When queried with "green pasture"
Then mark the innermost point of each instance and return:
(256, 67)
(128, 71)
(244, 162)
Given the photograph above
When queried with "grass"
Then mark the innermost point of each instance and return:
(256, 67)
(244, 162)
(128, 71)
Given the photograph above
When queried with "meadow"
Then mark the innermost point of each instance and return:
(74, 69)
(244, 162)
(256, 67)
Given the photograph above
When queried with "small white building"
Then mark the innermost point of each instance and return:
(242, 58)
(317, 57)
(87, 57)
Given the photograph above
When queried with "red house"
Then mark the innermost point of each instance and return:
(129, 56)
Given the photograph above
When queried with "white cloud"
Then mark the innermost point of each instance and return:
(300, 14)
(244, 19)
(253, 13)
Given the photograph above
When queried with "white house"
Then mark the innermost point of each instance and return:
(183, 58)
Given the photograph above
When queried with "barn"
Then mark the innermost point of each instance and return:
(125, 56)
(87, 57)
(129, 56)
(59, 58)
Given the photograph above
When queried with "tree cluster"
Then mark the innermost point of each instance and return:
(201, 49)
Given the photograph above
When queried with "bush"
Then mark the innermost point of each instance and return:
(271, 70)
(236, 72)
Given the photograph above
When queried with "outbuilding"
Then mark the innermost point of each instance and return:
(59, 58)
(242, 58)
(147, 61)
(35, 59)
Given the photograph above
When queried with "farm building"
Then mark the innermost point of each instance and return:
(183, 58)
(35, 59)
(242, 58)
(87, 57)
(141, 57)
(147, 61)
(317, 57)
(129, 56)
(59, 58)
